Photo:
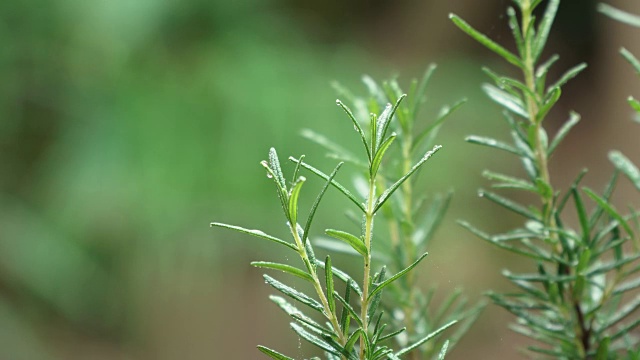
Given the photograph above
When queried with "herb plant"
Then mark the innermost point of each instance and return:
(351, 324)
(410, 220)
(577, 302)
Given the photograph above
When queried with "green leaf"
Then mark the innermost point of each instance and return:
(509, 181)
(627, 285)
(256, 233)
(508, 204)
(424, 339)
(384, 284)
(574, 118)
(631, 59)
(328, 280)
(622, 313)
(388, 192)
(377, 159)
(273, 354)
(346, 307)
(418, 97)
(442, 116)
(316, 203)
(550, 101)
(582, 216)
(375, 301)
(294, 194)
(610, 210)
(343, 276)
(313, 339)
(570, 74)
(510, 102)
(283, 267)
(493, 240)
(384, 120)
(334, 150)
(603, 349)
(635, 104)
(543, 70)
(622, 16)
(351, 341)
(335, 184)
(484, 40)
(625, 166)
(356, 125)
(544, 28)
(485, 141)
(443, 351)
(274, 165)
(344, 315)
(515, 30)
(294, 294)
(356, 243)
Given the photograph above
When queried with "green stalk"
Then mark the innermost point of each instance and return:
(318, 287)
(582, 339)
(368, 234)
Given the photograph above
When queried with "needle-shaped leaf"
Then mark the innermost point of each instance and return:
(506, 181)
(356, 126)
(346, 307)
(570, 74)
(421, 88)
(283, 267)
(293, 293)
(355, 242)
(620, 15)
(334, 183)
(509, 101)
(382, 285)
(313, 339)
(328, 280)
(508, 204)
(256, 233)
(389, 191)
(443, 351)
(635, 104)
(582, 216)
(626, 167)
(273, 354)
(610, 210)
(484, 40)
(544, 28)
(550, 101)
(486, 141)
(316, 203)
(442, 116)
(294, 194)
(348, 280)
(631, 59)
(274, 165)
(574, 118)
(384, 121)
(377, 159)
(425, 339)
(334, 150)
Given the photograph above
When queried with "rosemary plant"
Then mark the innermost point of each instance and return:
(411, 221)
(577, 303)
(348, 325)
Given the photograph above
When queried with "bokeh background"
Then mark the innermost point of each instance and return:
(126, 127)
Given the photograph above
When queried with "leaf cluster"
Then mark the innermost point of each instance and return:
(347, 324)
(577, 301)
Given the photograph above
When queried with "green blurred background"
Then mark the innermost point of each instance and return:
(126, 127)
